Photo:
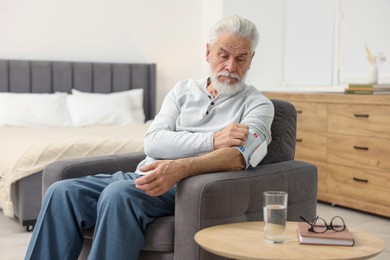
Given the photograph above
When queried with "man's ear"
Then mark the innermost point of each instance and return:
(208, 51)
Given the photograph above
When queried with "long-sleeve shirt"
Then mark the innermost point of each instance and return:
(190, 116)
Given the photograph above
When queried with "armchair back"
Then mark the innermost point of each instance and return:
(283, 130)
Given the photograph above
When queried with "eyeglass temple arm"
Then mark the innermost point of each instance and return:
(305, 220)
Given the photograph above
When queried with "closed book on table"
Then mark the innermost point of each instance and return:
(330, 237)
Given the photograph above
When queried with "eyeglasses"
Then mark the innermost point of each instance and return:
(319, 225)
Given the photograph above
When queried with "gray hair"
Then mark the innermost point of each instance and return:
(236, 25)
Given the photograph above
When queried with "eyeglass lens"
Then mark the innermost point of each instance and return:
(320, 226)
(337, 224)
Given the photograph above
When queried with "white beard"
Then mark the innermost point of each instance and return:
(224, 88)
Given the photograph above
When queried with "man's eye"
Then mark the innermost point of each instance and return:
(224, 56)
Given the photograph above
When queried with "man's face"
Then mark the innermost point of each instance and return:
(230, 54)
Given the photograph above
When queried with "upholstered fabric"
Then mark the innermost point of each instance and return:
(283, 131)
(159, 236)
(23, 76)
(236, 197)
(215, 198)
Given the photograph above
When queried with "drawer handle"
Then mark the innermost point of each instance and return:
(360, 180)
(299, 140)
(360, 148)
(299, 111)
(361, 115)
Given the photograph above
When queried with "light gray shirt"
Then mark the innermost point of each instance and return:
(190, 116)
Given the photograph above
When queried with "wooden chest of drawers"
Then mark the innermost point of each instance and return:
(348, 138)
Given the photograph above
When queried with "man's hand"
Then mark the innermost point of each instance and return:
(162, 175)
(230, 136)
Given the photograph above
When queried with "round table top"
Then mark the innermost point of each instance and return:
(245, 240)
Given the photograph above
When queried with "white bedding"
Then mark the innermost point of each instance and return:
(25, 151)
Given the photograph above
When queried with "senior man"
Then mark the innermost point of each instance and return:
(200, 128)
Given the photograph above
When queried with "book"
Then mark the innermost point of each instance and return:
(352, 91)
(356, 85)
(330, 237)
(354, 88)
(360, 89)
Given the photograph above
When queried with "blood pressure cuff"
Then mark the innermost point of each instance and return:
(254, 149)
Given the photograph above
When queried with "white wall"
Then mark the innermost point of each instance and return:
(172, 34)
(268, 16)
(164, 32)
(212, 12)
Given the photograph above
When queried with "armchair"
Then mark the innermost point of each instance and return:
(214, 198)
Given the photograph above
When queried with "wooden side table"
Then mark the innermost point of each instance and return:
(245, 240)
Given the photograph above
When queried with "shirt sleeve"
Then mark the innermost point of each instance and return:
(259, 118)
(162, 141)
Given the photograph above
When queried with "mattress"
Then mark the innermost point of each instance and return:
(25, 151)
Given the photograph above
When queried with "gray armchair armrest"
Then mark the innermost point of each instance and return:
(79, 167)
(220, 198)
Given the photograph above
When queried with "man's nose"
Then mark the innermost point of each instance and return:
(230, 65)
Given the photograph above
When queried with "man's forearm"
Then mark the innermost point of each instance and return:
(162, 175)
(224, 159)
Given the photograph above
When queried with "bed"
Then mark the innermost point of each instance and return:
(25, 151)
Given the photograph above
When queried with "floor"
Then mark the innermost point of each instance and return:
(14, 238)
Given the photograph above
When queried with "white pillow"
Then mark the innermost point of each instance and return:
(34, 110)
(118, 108)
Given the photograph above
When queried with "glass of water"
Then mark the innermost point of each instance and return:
(275, 215)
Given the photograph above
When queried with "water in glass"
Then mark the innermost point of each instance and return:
(275, 222)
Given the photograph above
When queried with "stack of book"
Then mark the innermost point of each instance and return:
(367, 89)
(330, 237)
(359, 89)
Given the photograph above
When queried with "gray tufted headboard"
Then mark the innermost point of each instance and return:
(23, 76)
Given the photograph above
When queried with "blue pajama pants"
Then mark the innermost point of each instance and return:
(119, 211)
